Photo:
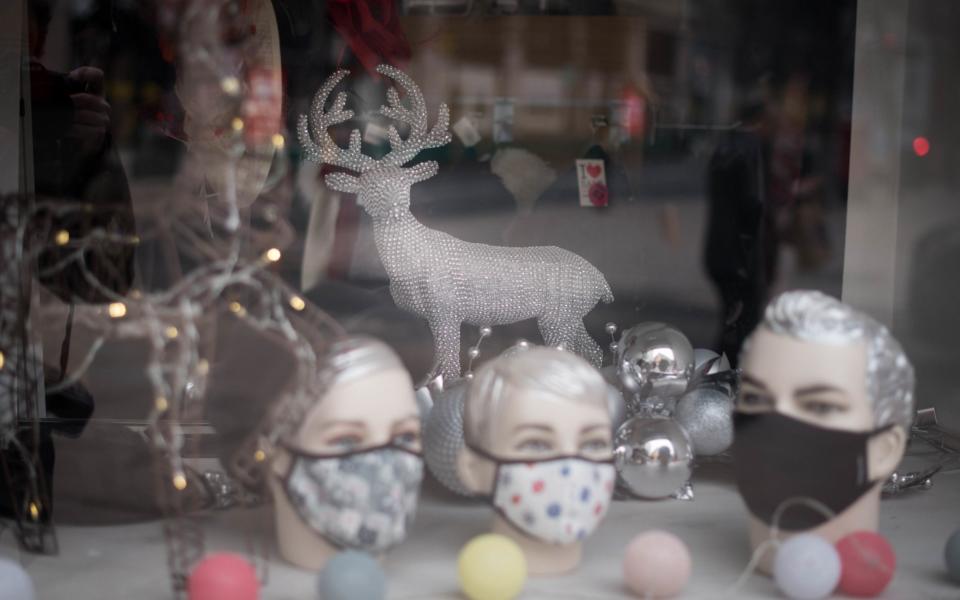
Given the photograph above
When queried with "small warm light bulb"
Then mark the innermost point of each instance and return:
(278, 141)
(63, 236)
(171, 332)
(237, 124)
(259, 456)
(34, 511)
(297, 303)
(237, 308)
(161, 404)
(273, 254)
(3, 359)
(180, 481)
(203, 366)
(230, 85)
(117, 309)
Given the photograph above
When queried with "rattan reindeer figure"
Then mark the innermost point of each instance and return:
(445, 280)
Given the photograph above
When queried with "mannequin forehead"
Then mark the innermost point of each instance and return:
(383, 397)
(530, 407)
(785, 364)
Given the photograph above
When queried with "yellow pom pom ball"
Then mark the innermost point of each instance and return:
(492, 567)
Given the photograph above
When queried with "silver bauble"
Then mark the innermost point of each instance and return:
(653, 457)
(443, 436)
(706, 414)
(702, 356)
(617, 407)
(656, 357)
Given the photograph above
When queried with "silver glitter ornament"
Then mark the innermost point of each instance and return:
(706, 414)
(655, 358)
(443, 437)
(443, 279)
(701, 356)
(653, 457)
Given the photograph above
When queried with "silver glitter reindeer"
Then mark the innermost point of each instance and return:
(443, 279)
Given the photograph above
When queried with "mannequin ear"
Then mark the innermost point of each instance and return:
(475, 472)
(884, 451)
(278, 459)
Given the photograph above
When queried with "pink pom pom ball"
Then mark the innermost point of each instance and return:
(656, 564)
(223, 576)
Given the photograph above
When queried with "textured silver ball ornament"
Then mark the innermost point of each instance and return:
(443, 437)
(653, 457)
(655, 357)
(706, 414)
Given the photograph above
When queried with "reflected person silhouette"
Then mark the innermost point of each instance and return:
(738, 252)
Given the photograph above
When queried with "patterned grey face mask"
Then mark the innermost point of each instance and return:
(363, 500)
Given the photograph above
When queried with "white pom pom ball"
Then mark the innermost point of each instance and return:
(806, 567)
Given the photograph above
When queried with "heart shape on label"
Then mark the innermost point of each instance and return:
(594, 170)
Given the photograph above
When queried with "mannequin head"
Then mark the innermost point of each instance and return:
(545, 410)
(817, 367)
(364, 421)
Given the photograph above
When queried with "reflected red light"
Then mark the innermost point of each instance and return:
(921, 145)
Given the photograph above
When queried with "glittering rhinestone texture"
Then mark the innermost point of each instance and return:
(443, 437)
(443, 279)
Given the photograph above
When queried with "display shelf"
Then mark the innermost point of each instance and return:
(132, 557)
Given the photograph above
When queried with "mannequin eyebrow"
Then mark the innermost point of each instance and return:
(329, 424)
(538, 427)
(590, 428)
(817, 389)
(747, 378)
(402, 420)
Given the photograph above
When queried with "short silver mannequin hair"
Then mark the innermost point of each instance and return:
(816, 317)
(357, 356)
(555, 372)
(348, 358)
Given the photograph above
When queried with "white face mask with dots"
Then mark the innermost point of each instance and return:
(557, 500)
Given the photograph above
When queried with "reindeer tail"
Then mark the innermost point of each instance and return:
(607, 294)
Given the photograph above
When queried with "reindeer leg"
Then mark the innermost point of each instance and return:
(558, 330)
(446, 347)
(586, 346)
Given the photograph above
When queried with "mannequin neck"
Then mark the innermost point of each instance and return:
(864, 514)
(543, 558)
(297, 542)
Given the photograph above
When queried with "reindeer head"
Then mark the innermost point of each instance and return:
(382, 185)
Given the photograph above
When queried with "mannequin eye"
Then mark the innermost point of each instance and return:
(819, 408)
(345, 442)
(535, 445)
(595, 446)
(408, 438)
(753, 401)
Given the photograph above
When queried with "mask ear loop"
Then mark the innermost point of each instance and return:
(773, 542)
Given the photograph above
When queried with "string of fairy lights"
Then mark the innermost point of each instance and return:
(171, 320)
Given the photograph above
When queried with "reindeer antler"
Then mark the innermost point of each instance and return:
(403, 151)
(327, 151)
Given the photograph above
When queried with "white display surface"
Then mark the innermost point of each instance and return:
(129, 561)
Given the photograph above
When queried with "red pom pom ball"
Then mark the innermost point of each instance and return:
(867, 564)
(223, 576)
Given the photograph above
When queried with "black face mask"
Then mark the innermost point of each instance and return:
(779, 458)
